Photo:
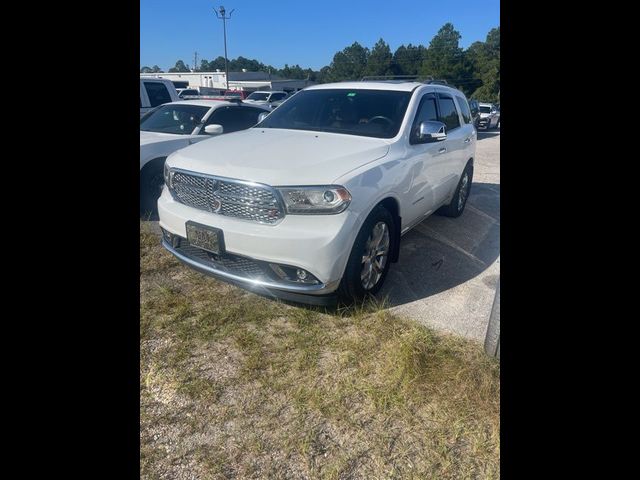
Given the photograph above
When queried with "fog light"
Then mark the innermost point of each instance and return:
(302, 274)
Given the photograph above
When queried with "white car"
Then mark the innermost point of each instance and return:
(266, 97)
(489, 116)
(310, 204)
(187, 92)
(177, 125)
(155, 91)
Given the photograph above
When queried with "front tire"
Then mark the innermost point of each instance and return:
(151, 183)
(459, 200)
(369, 260)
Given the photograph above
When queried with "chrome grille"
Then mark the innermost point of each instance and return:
(226, 197)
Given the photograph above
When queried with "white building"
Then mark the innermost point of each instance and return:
(245, 81)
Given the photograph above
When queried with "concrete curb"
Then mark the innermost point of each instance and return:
(492, 340)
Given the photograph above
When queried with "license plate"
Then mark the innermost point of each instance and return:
(205, 237)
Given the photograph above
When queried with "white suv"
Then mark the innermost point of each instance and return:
(312, 201)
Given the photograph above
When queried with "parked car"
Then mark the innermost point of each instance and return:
(310, 204)
(176, 125)
(155, 91)
(489, 116)
(187, 92)
(266, 97)
(277, 103)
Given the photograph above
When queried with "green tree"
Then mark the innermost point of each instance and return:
(379, 60)
(145, 69)
(444, 58)
(180, 67)
(485, 57)
(348, 64)
(407, 60)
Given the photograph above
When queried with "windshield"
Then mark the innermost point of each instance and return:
(258, 96)
(485, 109)
(370, 113)
(179, 119)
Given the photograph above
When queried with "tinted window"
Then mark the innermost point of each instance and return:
(485, 109)
(234, 119)
(426, 112)
(258, 96)
(464, 109)
(158, 93)
(448, 113)
(277, 96)
(371, 113)
(172, 118)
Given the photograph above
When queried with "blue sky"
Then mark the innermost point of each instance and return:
(302, 32)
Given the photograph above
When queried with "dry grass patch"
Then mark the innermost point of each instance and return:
(237, 386)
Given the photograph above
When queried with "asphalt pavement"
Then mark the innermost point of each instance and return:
(449, 267)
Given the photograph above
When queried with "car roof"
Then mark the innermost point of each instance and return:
(390, 85)
(485, 104)
(212, 103)
(269, 91)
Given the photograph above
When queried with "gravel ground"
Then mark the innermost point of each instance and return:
(449, 267)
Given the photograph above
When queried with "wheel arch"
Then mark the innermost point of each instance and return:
(393, 206)
(152, 163)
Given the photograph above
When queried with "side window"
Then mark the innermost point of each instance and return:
(158, 93)
(427, 111)
(276, 96)
(448, 113)
(234, 119)
(464, 109)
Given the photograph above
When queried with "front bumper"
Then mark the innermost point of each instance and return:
(319, 244)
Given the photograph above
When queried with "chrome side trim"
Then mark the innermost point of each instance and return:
(316, 289)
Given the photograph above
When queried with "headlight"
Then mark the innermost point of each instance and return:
(166, 174)
(315, 200)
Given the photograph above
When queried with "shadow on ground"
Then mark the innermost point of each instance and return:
(441, 252)
(482, 134)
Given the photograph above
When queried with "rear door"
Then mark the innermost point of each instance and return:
(456, 146)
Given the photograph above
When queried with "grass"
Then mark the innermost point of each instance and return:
(233, 385)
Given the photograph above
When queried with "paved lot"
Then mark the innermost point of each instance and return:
(449, 267)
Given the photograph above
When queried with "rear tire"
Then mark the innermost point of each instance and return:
(151, 183)
(459, 200)
(363, 278)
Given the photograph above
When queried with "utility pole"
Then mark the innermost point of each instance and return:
(195, 61)
(221, 15)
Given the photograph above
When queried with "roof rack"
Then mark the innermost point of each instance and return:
(436, 82)
(370, 78)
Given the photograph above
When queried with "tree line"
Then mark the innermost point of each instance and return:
(475, 71)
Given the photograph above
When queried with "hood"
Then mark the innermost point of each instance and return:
(280, 157)
(485, 115)
(153, 137)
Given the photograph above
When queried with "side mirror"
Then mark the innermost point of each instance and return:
(431, 132)
(213, 129)
(262, 116)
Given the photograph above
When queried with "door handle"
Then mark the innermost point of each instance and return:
(467, 140)
(442, 150)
